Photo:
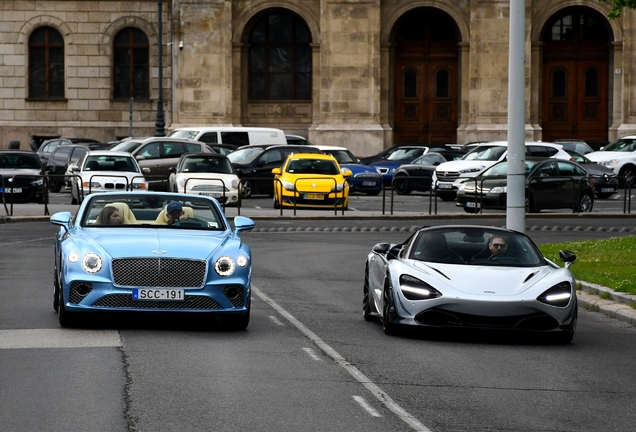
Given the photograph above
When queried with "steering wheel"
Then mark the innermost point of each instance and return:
(191, 222)
(505, 256)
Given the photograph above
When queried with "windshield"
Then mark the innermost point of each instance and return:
(149, 211)
(245, 155)
(471, 246)
(184, 134)
(343, 156)
(312, 166)
(486, 153)
(19, 160)
(126, 146)
(407, 153)
(110, 163)
(195, 164)
(622, 145)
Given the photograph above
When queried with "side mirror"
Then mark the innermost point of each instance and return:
(74, 168)
(145, 170)
(172, 169)
(381, 248)
(276, 171)
(242, 223)
(567, 257)
(62, 218)
(140, 157)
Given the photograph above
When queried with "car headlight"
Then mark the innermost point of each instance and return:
(338, 188)
(37, 182)
(241, 261)
(499, 189)
(288, 186)
(92, 263)
(609, 162)
(139, 186)
(224, 266)
(470, 170)
(91, 185)
(234, 184)
(73, 257)
(416, 289)
(559, 295)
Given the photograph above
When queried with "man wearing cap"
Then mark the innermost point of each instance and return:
(175, 212)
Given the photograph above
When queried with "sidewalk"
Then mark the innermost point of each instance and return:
(608, 302)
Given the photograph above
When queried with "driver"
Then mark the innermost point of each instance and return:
(498, 244)
(175, 213)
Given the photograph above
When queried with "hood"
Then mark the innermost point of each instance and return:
(10, 172)
(609, 155)
(464, 165)
(358, 168)
(141, 242)
(598, 170)
(475, 280)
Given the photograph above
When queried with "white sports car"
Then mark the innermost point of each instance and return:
(470, 277)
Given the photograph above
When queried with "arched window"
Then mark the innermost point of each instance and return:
(131, 76)
(46, 64)
(280, 59)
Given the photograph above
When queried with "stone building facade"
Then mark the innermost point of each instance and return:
(361, 73)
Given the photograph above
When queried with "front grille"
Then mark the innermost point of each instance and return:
(447, 175)
(210, 188)
(367, 175)
(442, 318)
(119, 186)
(126, 301)
(159, 272)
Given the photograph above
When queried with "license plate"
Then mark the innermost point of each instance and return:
(158, 294)
(368, 183)
(444, 186)
(608, 190)
(471, 204)
(314, 196)
(14, 190)
(211, 194)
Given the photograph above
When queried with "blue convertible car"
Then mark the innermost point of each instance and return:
(151, 252)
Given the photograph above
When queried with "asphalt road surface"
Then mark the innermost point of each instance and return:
(308, 361)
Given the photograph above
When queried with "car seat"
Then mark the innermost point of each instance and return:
(126, 215)
(162, 218)
(120, 165)
(92, 165)
(435, 249)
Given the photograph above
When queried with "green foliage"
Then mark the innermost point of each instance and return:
(618, 6)
(608, 262)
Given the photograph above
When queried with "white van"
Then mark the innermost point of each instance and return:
(236, 135)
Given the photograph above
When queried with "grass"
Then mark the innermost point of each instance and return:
(608, 262)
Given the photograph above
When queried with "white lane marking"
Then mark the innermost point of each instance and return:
(368, 408)
(58, 338)
(311, 353)
(376, 391)
(276, 320)
(27, 241)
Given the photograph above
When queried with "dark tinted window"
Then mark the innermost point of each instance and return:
(130, 65)
(78, 153)
(210, 138)
(61, 154)
(238, 138)
(46, 64)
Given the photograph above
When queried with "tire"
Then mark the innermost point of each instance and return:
(447, 196)
(55, 184)
(366, 307)
(276, 205)
(586, 203)
(245, 187)
(626, 175)
(56, 288)
(530, 208)
(67, 319)
(239, 322)
(389, 328)
(401, 185)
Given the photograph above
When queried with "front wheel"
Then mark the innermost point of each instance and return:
(55, 184)
(388, 327)
(245, 187)
(586, 203)
(627, 175)
(66, 318)
(366, 307)
(401, 185)
(239, 322)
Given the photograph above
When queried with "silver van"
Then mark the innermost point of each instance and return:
(231, 135)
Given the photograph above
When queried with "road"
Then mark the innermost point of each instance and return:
(308, 360)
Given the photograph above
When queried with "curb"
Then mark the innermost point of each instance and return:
(618, 305)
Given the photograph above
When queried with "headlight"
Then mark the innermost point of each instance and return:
(470, 170)
(234, 184)
(416, 289)
(288, 186)
(609, 162)
(224, 266)
(92, 263)
(37, 182)
(338, 188)
(559, 295)
(73, 257)
(91, 185)
(499, 189)
(139, 186)
(241, 261)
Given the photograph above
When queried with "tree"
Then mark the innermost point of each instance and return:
(618, 6)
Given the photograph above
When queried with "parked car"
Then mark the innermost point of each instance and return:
(418, 175)
(401, 156)
(205, 174)
(21, 177)
(297, 140)
(224, 149)
(158, 155)
(449, 175)
(578, 146)
(364, 179)
(237, 135)
(106, 171)
(311, 181)
(550, 184)
(620, 156)
(59, 162)
(48, 146)
(144, 264)
(253, 165)
(448, 277)
(604, 180)
(384, 154)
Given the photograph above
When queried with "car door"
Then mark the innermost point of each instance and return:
(261, 170)
(545, 186)
(149, 157)
(569, 185)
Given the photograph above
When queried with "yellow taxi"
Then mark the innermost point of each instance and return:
(311, 180)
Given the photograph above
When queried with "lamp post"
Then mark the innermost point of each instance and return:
(160, 123)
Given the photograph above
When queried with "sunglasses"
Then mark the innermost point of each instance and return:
(500, 245)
